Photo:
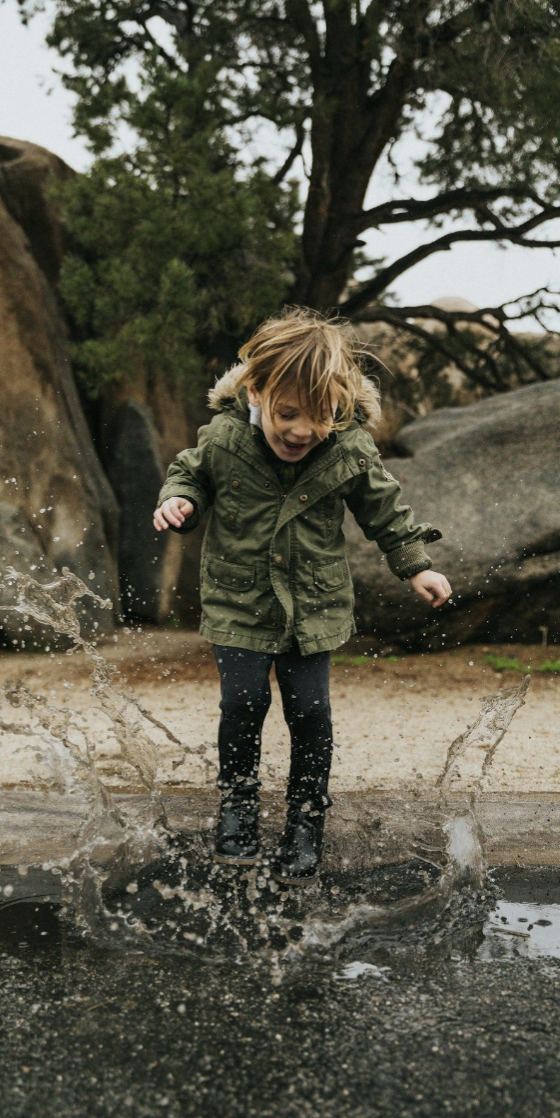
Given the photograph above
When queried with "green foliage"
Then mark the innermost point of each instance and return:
(509, 664)
(182, 244)
(173, 622)
(173, 246)
(503, 86)
(353, 661)
(502, 663)
(548, 666)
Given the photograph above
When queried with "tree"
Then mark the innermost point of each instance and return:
(343, 82)
(173, 255)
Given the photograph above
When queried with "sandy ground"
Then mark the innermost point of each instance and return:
(394, 716)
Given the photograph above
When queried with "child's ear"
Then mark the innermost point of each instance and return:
(253, 396)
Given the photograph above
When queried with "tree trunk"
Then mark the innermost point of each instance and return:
(350, 129)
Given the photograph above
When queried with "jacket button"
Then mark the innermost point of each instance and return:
(266, 484)
(303, 497)
(231, 517)
(329, 523)
(361, 461)
(235, 485)
(277, 558)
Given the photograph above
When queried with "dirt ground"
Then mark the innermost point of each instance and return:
(394, 715)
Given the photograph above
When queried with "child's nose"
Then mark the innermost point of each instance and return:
(301, 429)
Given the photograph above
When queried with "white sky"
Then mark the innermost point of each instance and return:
(34, 106)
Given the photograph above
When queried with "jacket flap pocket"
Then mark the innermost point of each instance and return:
(231, 574)
(331, 575)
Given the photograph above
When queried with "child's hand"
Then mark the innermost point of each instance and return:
(173, 511)
(431, 587)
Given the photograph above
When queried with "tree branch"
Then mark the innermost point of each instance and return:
(298, 12)
(484, 368)
(446, 32)
(170, 14)
(417, 209)
(516, 235)
(171, 62)
(292, 155)
(391, 316)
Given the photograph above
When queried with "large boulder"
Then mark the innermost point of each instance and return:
(488, 477)
(26, 169)
(143, 421)
(136, 472)
(51, 476)
(416, 380)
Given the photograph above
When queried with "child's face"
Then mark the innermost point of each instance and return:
(296, 435)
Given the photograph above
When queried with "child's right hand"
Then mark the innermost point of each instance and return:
(173, 511)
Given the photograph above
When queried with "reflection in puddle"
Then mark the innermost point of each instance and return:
(525, 924)
(526, 930)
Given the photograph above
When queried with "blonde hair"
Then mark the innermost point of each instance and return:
(302, 347)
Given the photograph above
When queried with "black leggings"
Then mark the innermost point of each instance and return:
(246, 697)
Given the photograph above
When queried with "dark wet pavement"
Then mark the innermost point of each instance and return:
(431, 1024)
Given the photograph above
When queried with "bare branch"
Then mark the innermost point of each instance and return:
(417, 209)
(515, 235)
(292, 155)
(149, 38)
(299, 13)
(478, 358)
(435, 342)
(446, 32)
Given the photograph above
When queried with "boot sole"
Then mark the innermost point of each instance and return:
(294, 880)
(231, 860)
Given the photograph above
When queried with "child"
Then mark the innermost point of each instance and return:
(290, 447)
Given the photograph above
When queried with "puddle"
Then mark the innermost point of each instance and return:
(525, 924)
(138, 977)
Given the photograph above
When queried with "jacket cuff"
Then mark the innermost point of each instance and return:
(409, 560)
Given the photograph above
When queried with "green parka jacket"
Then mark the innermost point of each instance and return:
(273, 563)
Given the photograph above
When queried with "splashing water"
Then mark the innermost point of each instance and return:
(134, 857)
(70, 754)
(465, 841)
(460, 858)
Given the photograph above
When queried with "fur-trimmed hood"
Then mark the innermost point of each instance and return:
(367, 410)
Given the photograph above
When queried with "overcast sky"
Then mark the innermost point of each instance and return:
(34, 106)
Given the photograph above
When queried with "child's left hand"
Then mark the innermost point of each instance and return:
(431, 587)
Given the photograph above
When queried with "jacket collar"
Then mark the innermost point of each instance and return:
(329, 468)
(252, 449)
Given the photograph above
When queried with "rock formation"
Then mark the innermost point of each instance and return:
(57, 507)
(487, 476)
(80, 493)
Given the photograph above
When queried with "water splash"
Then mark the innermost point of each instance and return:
(451, 842)
(124, 864)
(465, 838)
(111, 841)
(487, 732)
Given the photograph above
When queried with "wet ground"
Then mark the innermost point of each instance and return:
(394, 715)
(441, 1015)
(138, 977)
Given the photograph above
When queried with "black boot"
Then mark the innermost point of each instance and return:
(237, 833)
(299, 853)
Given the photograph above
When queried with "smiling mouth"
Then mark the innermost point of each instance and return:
(293, 446)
